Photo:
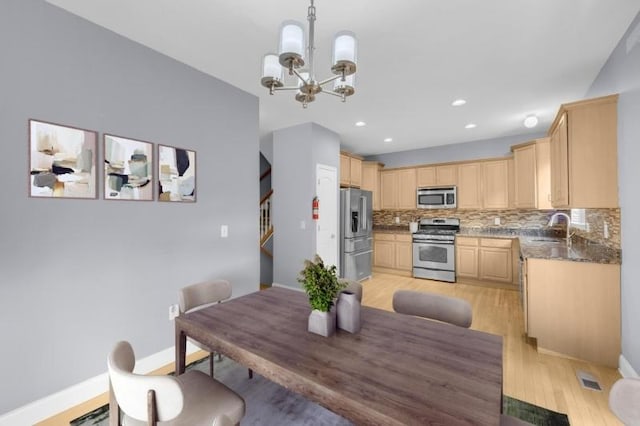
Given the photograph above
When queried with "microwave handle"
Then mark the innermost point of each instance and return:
(363, 210)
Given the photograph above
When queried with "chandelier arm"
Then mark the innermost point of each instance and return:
(329, 80)
(295, 71)
(277, 89)
(333, 93)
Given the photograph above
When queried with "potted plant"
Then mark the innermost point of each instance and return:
(322, 287)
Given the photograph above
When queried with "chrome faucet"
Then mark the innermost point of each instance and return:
(552, 220)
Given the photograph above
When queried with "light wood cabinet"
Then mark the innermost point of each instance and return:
(393, 251)
(486, 259)
(467, 257)
(584, 164)
(437, 175)
(398, 189)
(470, 186)
(495, 184)
(371, 180)
(573, 309)
(533, 174)
(350, 171)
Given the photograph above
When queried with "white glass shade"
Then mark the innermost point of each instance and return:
(345, 47)
(349, 81)
(271, 67)
(291, 38)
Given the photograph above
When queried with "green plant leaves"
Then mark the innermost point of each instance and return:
(320, 283)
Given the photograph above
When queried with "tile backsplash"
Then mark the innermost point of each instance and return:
(513, 219)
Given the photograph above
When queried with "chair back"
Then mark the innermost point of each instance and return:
(434, 306)
(203, 294)
(353, 287)
(131, 390)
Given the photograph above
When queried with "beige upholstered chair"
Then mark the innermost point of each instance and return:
(433, 306)
(201, 295)
(192, 398)
(354, 287)
(624, 400)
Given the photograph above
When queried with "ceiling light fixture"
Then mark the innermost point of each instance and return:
(360, 123)
(291, 56)
(531, 121)
(470, 126)
(458, 102)
(388, 140)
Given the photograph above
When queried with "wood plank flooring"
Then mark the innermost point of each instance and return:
(540, 379)
(544, 380)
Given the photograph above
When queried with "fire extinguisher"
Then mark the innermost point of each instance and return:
(315, 205)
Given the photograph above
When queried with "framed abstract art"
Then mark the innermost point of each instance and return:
(176, 174)
(128, 169)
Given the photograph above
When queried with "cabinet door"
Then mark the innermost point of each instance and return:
(384, 254)
(426, 176)
(447, 175)
(407, 196)
(467, 261)
(560, 164)
(495, 180)
(371, 181)
(525, 185)
(356, 172)
(404, 255)
(345, 170)
(496, 264)
(524, 295)
(389, 189)
(543, 174)
(469, 186)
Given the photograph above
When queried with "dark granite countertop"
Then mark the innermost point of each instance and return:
(541, 243)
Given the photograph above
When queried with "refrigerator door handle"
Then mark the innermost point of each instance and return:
(363, 203)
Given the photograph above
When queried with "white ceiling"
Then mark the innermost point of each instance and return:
(507, 58)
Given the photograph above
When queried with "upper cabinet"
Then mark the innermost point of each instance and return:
(495, 184)
(371, 180)
(350, 170)
(584, 163)
(437, 175)
(532, 186)
(470, 185)
(398, 189)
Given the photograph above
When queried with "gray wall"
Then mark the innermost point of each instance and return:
(79, 275)
(487, 148)
(621, 74)
(296, 151)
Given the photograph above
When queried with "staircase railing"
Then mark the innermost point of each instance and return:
(266, 226)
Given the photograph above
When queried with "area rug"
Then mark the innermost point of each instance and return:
(269, 404)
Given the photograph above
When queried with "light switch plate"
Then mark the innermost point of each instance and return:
(173, 312)
(224, 231)
(496, 221)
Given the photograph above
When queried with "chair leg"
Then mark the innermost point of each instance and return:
(219, 356)
(250, 373)
(211, 355)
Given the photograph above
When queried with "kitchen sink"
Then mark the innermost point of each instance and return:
(547, 240)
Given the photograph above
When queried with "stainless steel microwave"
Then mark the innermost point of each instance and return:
(442, 197)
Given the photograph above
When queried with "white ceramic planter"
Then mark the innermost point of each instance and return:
(348, 312)
(322, 323)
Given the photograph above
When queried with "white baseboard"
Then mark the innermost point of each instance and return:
(288, 287)
(625, 369)
(53, 404)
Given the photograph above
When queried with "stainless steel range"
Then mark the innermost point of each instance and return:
(434, 249)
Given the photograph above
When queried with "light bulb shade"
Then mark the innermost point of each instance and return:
(271, 71)
(345, 51)
(291, 40)
(530, 121)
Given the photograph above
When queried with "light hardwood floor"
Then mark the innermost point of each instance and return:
(540, 379)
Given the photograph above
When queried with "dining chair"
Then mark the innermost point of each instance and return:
(201, 295)
(193, 398)
(447, 309)
(353, 287)
(624, 400)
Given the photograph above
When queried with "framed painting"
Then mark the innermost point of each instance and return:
(62, 161)
(177, 174)
(128, 169)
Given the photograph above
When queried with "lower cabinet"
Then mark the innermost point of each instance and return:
(393, 251)
(573, 309)
(486, 259)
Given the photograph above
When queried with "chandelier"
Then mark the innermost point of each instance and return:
(291, 56)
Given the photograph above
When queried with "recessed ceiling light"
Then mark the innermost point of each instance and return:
(360, 123)
(531, 121)
(458, 102)
(388, 140)
(470, 126)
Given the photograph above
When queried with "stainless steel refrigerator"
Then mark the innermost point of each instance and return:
(356, 240)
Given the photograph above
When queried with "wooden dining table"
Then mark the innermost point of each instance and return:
(397, 370)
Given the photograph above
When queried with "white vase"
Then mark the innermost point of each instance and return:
(348, 311)
(322, 323)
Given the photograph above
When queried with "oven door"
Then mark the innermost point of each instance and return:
(438, 255)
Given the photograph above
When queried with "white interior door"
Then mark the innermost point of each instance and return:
(328, 194)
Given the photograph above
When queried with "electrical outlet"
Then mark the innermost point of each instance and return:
(174, 311)
(397, 219)
(606, 230)
(496, 221)
(303, 224)
(224, 231)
